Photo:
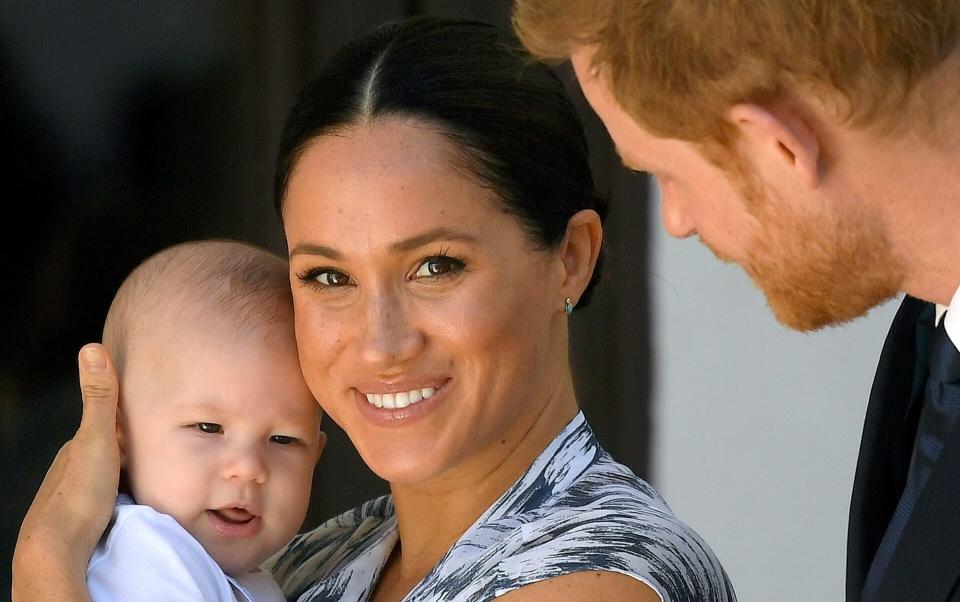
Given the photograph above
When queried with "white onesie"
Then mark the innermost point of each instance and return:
(148, 556)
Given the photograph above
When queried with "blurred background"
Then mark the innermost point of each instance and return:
(134, 126)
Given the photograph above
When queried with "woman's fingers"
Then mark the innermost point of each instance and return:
(75, 500)
(100, 391)
(91, 460)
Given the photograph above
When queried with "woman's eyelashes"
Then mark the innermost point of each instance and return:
(324, 278)
(439, 266)
(429, 269)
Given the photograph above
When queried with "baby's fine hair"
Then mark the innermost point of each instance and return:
(226, 286)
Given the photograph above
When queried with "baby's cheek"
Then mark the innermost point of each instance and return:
(171, 481)
(160, 494)
(293, 497)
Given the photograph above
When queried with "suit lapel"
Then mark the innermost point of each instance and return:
(887, 441)
(924, 565)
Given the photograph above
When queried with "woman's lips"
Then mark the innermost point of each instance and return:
(234, 522)
(401, 403)
(400, 399)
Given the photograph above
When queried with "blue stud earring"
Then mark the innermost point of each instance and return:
(568, 306)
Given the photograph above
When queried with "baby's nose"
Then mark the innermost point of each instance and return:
(246, 464)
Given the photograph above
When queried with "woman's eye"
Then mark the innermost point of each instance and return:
(438, 266)
(324, 278)
(331, 278)
(211, 428)
(283, 439)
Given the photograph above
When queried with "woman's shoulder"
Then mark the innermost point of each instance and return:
(611, 520)
(343, 539)
(608, 486)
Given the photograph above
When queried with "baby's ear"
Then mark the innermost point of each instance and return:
(321, 444)
(121, 439)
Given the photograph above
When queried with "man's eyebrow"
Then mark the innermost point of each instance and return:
(402, 246)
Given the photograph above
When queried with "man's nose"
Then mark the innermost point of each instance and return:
(677, 220)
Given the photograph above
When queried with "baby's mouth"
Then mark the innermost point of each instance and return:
(236, 516)
(235, 521)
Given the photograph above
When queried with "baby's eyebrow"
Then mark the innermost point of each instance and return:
(200, 406)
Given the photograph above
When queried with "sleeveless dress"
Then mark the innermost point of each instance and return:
(575, 509)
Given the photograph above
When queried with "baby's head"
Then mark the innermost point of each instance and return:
(217, 427)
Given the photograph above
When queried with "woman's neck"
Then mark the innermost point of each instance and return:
(431, 516)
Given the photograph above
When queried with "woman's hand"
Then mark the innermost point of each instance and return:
(75, 500)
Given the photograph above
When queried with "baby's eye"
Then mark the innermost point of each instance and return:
(439, 265)
(211, 428)
(283, 439)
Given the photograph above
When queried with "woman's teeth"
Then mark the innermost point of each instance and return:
(399, 400)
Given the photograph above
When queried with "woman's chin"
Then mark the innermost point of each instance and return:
(401, 465)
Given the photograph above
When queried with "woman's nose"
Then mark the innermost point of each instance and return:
(677, 220)
(389, 337)
(245, 463)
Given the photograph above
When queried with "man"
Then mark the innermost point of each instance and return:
(817, 144)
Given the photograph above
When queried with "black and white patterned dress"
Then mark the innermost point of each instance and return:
(575, 509)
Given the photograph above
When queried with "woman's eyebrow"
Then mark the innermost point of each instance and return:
(321, 250)
(430, 236)
(402, 246)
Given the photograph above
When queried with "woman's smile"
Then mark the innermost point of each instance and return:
(422, 308)
(396, 404)
(400, 399)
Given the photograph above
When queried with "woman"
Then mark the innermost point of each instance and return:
(442, 226)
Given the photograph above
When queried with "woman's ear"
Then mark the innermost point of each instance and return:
(579, 252)
(779, 137)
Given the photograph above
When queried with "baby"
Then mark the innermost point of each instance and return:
(218, 432)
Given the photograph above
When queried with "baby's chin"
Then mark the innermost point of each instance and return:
(235, 565)
(237, 557)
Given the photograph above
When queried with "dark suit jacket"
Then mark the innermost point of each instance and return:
(926, 563)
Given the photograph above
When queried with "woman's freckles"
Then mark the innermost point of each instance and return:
(453, 328)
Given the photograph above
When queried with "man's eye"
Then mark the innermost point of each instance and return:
(438, 266)
(211, 428)
(283, 439)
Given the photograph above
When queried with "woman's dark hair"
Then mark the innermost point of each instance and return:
(508, 115)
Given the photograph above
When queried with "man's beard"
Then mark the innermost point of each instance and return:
(819, 271)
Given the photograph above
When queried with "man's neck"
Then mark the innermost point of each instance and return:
(916, 184)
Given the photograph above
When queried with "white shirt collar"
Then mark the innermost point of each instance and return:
(952, 323)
